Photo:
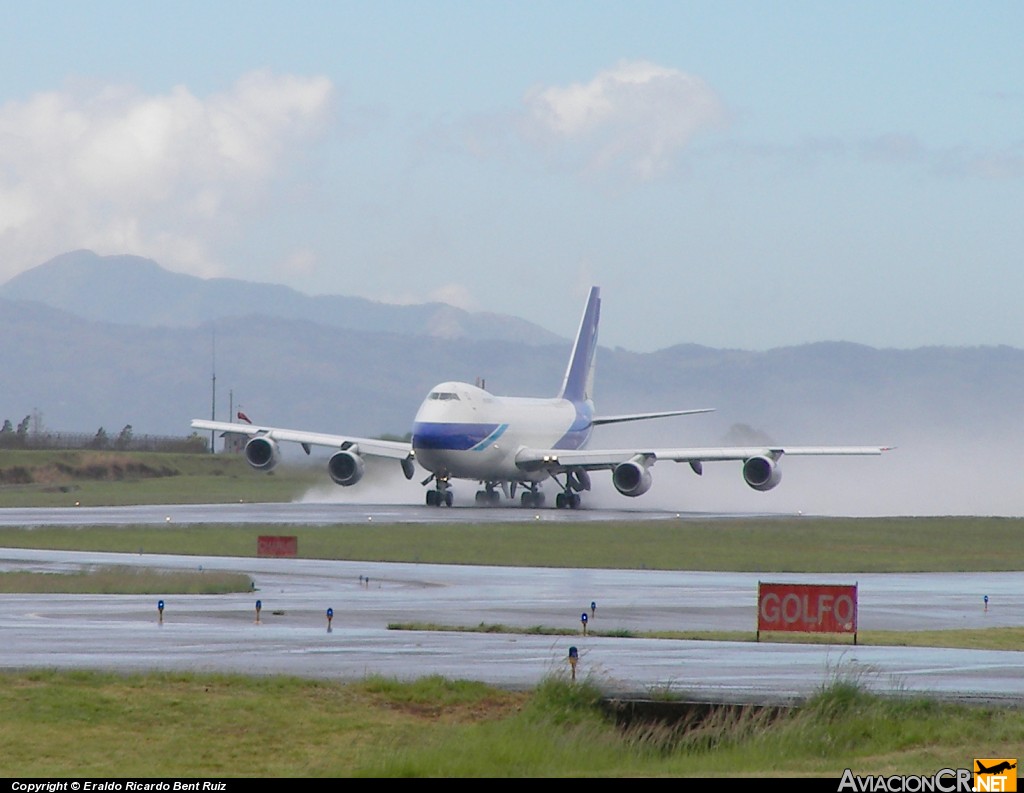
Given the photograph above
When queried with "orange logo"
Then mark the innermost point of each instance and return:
(995, 774)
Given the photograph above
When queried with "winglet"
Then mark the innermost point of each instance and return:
(578, 384)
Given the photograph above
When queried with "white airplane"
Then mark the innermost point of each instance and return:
(463, 432)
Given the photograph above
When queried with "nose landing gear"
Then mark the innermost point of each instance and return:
(441, 495)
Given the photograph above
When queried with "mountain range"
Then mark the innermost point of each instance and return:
(92, 341)
(131, 290)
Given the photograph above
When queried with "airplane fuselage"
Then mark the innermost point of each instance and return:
(464, 432)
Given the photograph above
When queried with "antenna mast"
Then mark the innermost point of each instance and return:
(213, 399)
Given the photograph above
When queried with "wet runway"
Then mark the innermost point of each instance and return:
(318, 514)
(220, 633)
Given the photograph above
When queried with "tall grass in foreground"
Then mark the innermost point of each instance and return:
(563, 731)
(92, 724)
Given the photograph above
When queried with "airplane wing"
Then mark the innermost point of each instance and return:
(398, 450)
(630, 467)
(598, 459)
(644, 416)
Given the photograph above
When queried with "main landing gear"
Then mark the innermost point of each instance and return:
(567, 500)
(532, 497)
(576, 479)
(489, 495)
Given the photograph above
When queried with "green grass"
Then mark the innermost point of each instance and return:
(66, 478)
(60, 724)
(31, 478)
(90, 724)
(774, 545)
(119, 580)
(1002, 638)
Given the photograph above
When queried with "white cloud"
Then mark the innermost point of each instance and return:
(164, 176)
(637, 116)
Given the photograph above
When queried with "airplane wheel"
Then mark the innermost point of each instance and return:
(574, 500)
(431, 498)
(448, 498)
(481, 496)
(526, 499)
(494, 497)
(560, 501)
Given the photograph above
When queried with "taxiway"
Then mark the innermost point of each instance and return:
(220, 633)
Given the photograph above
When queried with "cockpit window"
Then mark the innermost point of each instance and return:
(444, 395)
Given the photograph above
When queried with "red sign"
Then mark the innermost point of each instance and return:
(810, 608)
(277, 546)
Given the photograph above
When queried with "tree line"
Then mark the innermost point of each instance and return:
(24, 437)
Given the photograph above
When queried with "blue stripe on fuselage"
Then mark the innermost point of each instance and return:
(490, 438)
(455, 436)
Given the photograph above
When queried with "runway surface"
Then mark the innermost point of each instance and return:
(319, 514)
(220, 633)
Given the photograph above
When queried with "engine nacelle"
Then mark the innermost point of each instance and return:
(631, 478)
(262, 453)
(345, 468)
(761, 473)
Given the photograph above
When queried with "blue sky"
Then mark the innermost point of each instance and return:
(735, 174)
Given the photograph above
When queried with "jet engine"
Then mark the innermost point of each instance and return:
(631, 478)
(262, 453)
(345, 468)
(761, 473)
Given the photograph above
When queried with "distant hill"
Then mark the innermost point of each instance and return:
(82, 373)
(131, 290)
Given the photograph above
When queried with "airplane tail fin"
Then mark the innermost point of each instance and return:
(578, 384)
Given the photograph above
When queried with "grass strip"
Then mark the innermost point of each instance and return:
(762, 545)
(1005, 638)
(176, 725)
(123, 580)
